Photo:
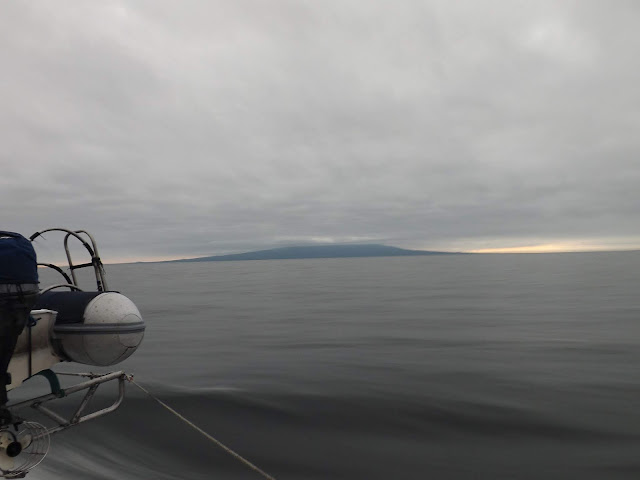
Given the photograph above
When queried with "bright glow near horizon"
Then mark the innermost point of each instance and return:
(556, 248)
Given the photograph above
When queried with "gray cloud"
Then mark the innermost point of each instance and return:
(210, 127)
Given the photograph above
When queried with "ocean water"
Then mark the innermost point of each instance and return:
(452, 367)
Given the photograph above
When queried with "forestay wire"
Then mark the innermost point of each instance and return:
(194, 426)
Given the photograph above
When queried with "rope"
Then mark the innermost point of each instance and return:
(194, 426)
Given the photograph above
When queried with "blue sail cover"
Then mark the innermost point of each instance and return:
(18, 262)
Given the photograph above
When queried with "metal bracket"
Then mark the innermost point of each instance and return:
(90, 385)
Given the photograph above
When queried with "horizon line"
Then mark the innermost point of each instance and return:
(528, 250)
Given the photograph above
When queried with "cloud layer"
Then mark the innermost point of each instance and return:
(210, 127)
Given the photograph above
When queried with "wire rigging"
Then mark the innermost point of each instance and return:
(208, 436)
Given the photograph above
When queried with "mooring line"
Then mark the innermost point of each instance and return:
(193, 425)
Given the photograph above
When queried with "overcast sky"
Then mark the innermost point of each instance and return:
(175, 129)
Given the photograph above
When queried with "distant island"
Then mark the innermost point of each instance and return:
(319, 251)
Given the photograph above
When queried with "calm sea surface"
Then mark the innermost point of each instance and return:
(444, 367)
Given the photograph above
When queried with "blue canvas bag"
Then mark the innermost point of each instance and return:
(18, 264)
